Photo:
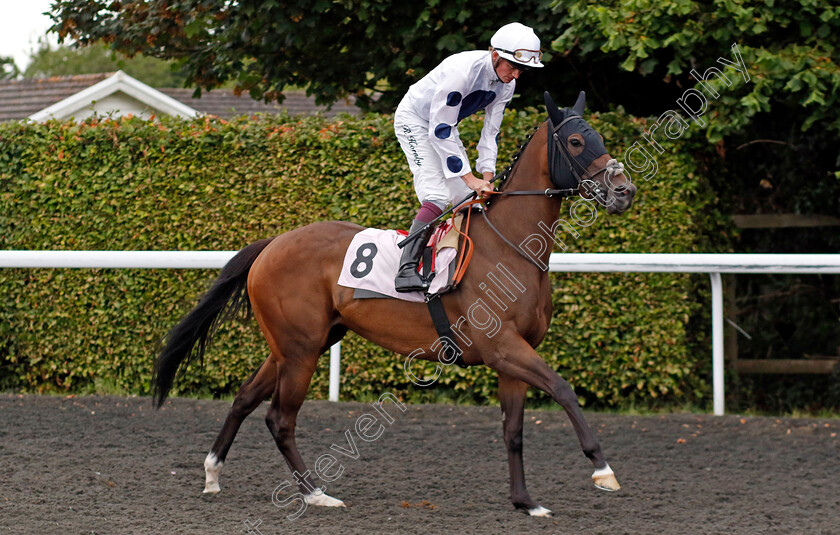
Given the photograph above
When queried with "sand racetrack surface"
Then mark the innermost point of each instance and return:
(111, 465)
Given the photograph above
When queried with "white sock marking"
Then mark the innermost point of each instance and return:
(212, 468)
(539, 511)
(318, 497)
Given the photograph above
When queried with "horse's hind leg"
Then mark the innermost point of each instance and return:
(292, 384)
(252, 392)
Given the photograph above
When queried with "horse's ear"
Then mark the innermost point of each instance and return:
(580, 104)
(554, 113)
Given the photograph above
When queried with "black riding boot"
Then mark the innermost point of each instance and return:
(408, 280)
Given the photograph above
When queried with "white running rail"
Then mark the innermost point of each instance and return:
(713, 264)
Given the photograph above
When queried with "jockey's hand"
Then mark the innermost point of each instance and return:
(481, 186)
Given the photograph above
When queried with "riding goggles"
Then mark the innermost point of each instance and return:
(523, 55)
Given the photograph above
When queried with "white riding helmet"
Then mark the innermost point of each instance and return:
(518, 43)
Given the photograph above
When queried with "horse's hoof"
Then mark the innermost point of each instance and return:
(540, 511)
(212, 468)
(605, 479)
(319, 498)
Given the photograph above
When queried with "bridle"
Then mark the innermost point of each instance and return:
(559, 158)
(580, 174)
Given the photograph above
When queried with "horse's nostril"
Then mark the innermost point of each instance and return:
(624, 190)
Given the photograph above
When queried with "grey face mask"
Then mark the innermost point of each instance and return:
(566, 170)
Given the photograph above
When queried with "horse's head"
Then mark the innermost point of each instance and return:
(577, 159)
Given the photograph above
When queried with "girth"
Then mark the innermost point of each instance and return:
(443, 327)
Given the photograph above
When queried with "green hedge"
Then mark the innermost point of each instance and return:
(208, 184)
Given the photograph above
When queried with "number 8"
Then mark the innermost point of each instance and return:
(364, 257)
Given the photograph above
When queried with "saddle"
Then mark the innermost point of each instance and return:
(372, 259)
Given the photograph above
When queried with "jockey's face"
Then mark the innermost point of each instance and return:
(506, 70)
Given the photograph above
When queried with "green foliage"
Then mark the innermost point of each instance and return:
(64, 60)
(335, 49)
(791, 49)
(210, 184)
(8, 68)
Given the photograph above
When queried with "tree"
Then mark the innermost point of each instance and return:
(334, 48)
(8, 68)
(792, 50)
(780, 127)
(65, 60)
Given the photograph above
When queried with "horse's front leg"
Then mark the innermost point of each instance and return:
(515, 358)
(512, 399)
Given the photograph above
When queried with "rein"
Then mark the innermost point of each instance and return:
(507, 241)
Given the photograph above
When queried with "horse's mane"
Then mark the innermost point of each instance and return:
(514, 161)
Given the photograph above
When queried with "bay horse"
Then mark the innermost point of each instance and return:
(290, 283)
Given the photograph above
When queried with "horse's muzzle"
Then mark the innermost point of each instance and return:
(620, 198)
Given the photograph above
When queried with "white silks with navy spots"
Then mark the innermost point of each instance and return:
(460, 86)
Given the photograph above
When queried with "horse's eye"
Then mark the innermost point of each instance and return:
(575, 142)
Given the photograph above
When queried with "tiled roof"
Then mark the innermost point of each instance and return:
(21, 98)
(225, 104)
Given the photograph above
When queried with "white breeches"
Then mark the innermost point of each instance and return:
(429, 182)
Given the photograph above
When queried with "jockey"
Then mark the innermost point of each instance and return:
(426, 125)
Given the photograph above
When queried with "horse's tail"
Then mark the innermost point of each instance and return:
(188, 340)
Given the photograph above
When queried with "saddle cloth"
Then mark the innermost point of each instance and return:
(373, 258)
